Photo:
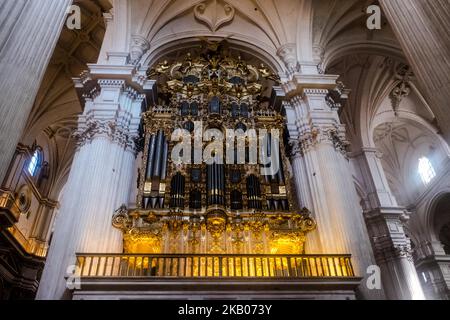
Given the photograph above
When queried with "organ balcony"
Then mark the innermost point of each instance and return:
(226, 223)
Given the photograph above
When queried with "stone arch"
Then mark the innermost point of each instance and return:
(341, 50)
(403, 139)
(434, 218)
(410, 118)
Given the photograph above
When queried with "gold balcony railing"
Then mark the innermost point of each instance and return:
(213, 266)
(9, 210)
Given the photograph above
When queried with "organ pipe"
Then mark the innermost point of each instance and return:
(215, 183)
(253, 192)
(177, 191)
(280, 173)
(158, 154)
(163, 185)
(150, 158)
(164, 161)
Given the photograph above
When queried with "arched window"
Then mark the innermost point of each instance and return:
(426, 170)
(35, 162)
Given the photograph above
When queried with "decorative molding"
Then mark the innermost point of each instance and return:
(23, 199)
(311, 136)
(112, 129)
(288, 53)
(214, 13)
(401, 91)
(118, 124)
(388, 252)
(319, 56)
(317, 92)
(335, 134)
(386, 228)
(114, 126)
(319, 128)
(295, 148)
(139, 46)
(403, 251)
(404, 74)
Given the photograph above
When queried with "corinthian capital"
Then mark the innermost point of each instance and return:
(112, 111)
(312, 135)
(385, 250)
(91, 128)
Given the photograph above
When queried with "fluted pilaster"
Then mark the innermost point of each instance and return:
(29, 32)
(422, 29)
(100, 181)
(324, 182)
(385, 221)
(393, 254)
(9, 14)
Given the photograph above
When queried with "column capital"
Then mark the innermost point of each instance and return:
(386, 228)
(299, 82)
(317, 117)
(133, 76)
(114, 99)
(368, 151)
(91, 128)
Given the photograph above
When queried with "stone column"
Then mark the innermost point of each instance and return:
(100, 181)
(324, 178)
(393, 254)
(30, 30)
(385, 220)
(422, 29)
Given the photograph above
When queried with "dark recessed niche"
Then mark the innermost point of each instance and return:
(184, 108)
(235, 176)
(196, 175)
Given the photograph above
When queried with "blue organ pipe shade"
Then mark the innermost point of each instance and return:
(194, 109)
(196, 175)
(214, 105)
(234, 110)
(244, 110)
(177, 191)
(151, 153)
(281, 170)
(158, 154)
(164, 162)
(184, 108)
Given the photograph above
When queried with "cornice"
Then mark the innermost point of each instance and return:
(300, 82)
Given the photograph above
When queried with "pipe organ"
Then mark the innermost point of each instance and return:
(233, 204)
(156, 171)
